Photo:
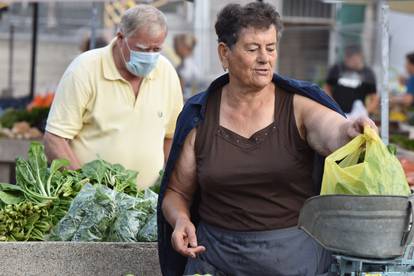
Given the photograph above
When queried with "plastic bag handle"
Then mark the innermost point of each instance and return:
(349, 148)
(409, 232)
(355, 144)
(370, 133)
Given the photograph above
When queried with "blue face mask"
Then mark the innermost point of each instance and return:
(140, 63)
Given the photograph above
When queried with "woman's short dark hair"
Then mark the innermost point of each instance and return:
(234, 17)
(410, 57)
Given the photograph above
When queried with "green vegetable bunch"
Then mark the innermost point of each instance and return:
(25, 221)
(34, 117)
(110, 209)
(402, 141)
(40, 199)
(114, 176)
(37, 181)
(157, 186)
(99, 213)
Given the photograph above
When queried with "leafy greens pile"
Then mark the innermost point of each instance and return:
(99, 202)
(101, 214)
(115, 176)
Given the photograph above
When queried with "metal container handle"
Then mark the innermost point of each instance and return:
(409, 233)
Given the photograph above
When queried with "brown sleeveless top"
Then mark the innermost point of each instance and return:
(254, 184)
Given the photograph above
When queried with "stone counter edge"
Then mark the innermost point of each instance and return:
(79, 258)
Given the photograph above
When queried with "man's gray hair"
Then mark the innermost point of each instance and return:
(143, 16)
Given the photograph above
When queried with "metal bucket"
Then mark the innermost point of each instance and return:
(377, 227)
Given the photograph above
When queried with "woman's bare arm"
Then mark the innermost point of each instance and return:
(324, 129)
(178, 199)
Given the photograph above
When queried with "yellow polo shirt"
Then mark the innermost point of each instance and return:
(97, 110)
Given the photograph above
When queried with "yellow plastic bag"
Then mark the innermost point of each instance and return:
(364, 166)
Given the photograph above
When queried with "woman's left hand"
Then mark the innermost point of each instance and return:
(356, 126)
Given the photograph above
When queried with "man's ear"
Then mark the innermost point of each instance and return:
(223, 53)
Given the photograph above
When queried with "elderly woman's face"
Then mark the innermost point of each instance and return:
(252, 59)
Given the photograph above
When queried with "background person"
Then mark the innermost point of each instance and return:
(407, 99)
(119, 103)
(100, 41)
(351, 80)
(187, 69)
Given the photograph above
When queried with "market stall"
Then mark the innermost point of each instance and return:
(19, 125)
(56, 221)
(9, 149)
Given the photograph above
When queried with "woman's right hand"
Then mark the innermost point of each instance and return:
(184, 239)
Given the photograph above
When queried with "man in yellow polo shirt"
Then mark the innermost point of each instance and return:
(119, 103)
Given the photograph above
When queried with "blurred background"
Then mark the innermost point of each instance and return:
(316, 33)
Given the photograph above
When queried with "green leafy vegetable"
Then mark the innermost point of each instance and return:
(149, 233)
(10, 194)
(113, 176)
(110, 208)
(100, 214)
(156, 187)
(34, 117)
(24, 221)
(402, 141)
(38, 182)
(37, 188)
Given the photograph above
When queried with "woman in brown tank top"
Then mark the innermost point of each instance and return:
(251, 160)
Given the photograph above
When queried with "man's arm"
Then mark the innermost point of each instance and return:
(405, 100)
(57, 147)
(372, 99)
(372, 103)
(408, 98)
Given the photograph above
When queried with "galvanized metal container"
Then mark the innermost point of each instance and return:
(376, 227)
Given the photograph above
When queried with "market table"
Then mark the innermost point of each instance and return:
(10, 149)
